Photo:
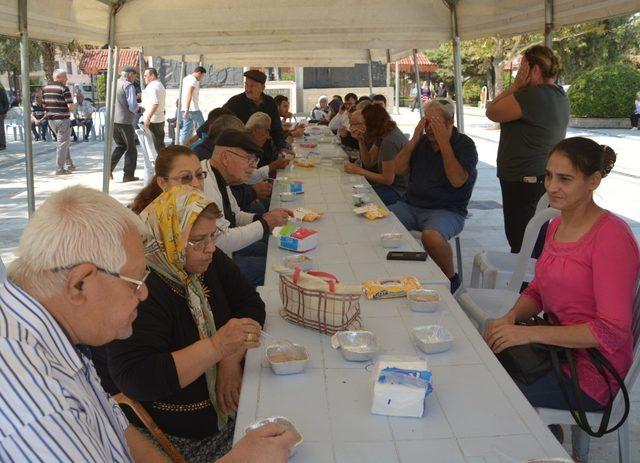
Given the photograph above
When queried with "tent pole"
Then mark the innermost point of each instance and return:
(106, 159)
(370, 74)
(548, 23)
(457, 65)
(179, 103)
(141, 67)
(299, 78)
(112, 106)
(397, 92)
(416, 69)
(26, 104)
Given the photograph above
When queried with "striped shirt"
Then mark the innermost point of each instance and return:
(52, 407)
(56, 98)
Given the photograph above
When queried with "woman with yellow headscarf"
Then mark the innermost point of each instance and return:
(183, 361)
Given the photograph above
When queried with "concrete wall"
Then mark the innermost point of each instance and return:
(599, 123)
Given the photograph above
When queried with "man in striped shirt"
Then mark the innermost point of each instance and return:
(58, 103)
(77, 279)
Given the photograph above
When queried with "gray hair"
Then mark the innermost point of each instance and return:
(443, 105)
(73, 226)
(258, 120)
(58, 72)
(222, 123)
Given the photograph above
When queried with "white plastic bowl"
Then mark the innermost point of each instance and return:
(360, 188)
(287, 367)
(359, 199)
(287, 196)
(432, 339)
(423, 300)
(391, 240)
(282, 421)
(357, 345)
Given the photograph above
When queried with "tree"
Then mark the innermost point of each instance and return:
(10, 58)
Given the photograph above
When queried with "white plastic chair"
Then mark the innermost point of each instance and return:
(149, 153)
(580, 438)
(481, 304)
(3, 272)
(14, 121)
(493, 269)
(99, 122)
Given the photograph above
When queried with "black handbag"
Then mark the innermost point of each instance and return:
(530, 362)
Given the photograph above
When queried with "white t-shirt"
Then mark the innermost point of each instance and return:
(188, 82)
(637, 106)
(154, 93)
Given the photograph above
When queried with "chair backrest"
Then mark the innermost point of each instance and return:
(543, 203)
(528, 243)
(15, 116)
(3, 272)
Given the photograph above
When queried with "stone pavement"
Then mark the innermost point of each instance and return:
(620, 192)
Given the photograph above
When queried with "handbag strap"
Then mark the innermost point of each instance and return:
(601, 363)
(328, 277)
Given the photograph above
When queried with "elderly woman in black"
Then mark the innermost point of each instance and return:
(183, 361)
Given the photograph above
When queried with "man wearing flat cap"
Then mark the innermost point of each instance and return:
(253, 100)
(124, 117)
(234, 159)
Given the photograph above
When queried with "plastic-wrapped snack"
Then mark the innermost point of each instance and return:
(306, 215)
(371, 211)
(303, 163)
(387, 288)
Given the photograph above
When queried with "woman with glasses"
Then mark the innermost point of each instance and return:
(183, 360)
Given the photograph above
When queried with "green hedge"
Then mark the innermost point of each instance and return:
(607, 91)
(471, 89)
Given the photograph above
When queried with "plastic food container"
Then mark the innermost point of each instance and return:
(282, 421)
(360, 188)
(423, 300)
(391, 240)
(305, 263)
(359, 199)
(432, 339)
(287, 196)
(287, 359)
(357, 346)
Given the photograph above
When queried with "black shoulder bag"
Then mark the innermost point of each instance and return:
(530, 362)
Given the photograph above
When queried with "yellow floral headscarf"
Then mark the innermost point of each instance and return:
(168, 219)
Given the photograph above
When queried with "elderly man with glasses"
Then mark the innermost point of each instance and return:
(234, 160)
(78, 278)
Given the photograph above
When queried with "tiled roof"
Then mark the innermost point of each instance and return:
(95, 61)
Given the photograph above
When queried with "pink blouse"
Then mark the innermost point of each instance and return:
(591, 281)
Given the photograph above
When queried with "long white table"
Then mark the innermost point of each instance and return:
(475, 406)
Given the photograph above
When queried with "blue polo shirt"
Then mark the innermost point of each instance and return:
(429, 187)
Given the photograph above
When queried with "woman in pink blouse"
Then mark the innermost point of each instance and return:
(586, 276)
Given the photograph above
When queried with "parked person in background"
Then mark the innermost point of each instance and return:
(39, 125)
(153, 101)
(416, 98)
(441, 91)
(4, 108)
(533, 114)
(380, 100)
(334, 105)
(342, 118)
(252, 100)
(441, 164)
(426, 93)
(58, 103)
(190, 114)
(183, 361)
(586, 276)
(386, 140)
(291, 131)
(82, 117)
(83, 290)
(320, 112)
(635, 115)
(124, 116)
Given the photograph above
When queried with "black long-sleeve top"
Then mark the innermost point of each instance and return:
(142, 366)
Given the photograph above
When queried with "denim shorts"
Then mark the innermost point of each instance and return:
(445, 222)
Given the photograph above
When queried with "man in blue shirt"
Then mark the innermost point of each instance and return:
(441, 164)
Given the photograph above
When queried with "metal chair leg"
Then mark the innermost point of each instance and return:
(459, 258)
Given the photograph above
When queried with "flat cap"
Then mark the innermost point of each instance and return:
(256, 75)
(232, 138)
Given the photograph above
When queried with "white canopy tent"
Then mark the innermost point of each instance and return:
(278, 32)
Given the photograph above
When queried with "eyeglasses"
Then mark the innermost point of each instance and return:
(138, 283)
(201, 244)
(188, 178)
(251, 159)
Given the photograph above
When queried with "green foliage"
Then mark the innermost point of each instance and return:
(101, 87)
(607, 91)
(471, 90)
(10, 54)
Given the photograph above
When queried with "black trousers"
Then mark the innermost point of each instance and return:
(125, 140)
(519, 201)
(634, 120)
(157, 130)
(3, 140)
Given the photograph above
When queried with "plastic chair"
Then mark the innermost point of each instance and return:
(14, 121)
(482, 305)
(99, 118)
(148, 151)
(151, 426)
(418, 236)
(493, 269)
(3, 272)
(580, 438)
